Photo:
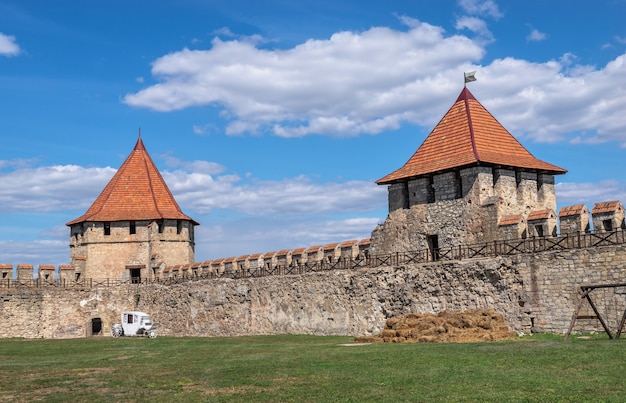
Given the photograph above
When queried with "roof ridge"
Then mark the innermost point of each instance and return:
(469, 122)
(154, 200)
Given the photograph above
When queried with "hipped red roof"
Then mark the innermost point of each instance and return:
(137, 191)
(468, 135)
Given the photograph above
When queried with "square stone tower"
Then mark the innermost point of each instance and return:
(133, 228)
(468, 174)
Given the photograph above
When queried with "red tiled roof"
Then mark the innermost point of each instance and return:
(365, 241)
(46, 267)
(348, 244)
(137, 191)
(298, 251)
(283, 252)
(511, 219)
(6, 266)
(606, 207)
(330, 246)
(539, 215)
(315, 248)
(468, 135)
(242, 258)
(576, 209)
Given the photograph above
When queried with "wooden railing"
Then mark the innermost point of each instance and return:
(461, 252)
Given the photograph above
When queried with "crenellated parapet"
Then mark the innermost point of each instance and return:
(605, 217)
(285, 258)
(25, 273)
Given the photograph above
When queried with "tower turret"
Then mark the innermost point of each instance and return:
(468, 174)
(134, 226)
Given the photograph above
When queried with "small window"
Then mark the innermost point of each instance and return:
(5, 274)
(161, 224)
(430, 197)
(107, 228)
(77, 276)
(179, 226)
(539, 230)
(608, 225)
(496, 175)
(132, 228)
(405, 194)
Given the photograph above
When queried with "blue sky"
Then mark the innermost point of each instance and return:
(270, 121)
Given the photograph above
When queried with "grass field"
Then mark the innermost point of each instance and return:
(310, 369)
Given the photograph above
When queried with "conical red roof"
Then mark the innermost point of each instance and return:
(137, 191)
(468, 135)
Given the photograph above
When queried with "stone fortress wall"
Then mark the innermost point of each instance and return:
(536, 292)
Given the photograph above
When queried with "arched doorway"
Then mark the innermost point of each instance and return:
(96, 327)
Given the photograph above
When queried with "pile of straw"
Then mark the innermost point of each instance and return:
(461, 327)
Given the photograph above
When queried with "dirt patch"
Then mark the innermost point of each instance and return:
(448, 326)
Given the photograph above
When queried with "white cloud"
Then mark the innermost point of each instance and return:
(203, 193)
(8, 46)
(536, 36)
(237, 215)
(198, 166)
(554, 100)
(54, 252)
(477, 26)
(51, 188)
(590, 193)
(380, 79)
(481, 7)
(349, 84)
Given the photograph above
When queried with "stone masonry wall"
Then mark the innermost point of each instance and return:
(537, 292)
(96, 255)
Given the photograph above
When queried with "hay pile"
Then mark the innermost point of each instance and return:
(461, 327)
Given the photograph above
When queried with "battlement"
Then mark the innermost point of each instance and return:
(605, 217)
(329, 254)
(25, 272)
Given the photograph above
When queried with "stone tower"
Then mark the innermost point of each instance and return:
(470, 181)
(134, 228)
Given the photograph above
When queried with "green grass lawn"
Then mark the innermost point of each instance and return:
(310, 368)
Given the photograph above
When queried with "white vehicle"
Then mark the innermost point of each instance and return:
(134, 323)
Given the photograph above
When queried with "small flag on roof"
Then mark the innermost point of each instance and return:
(469, 77)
